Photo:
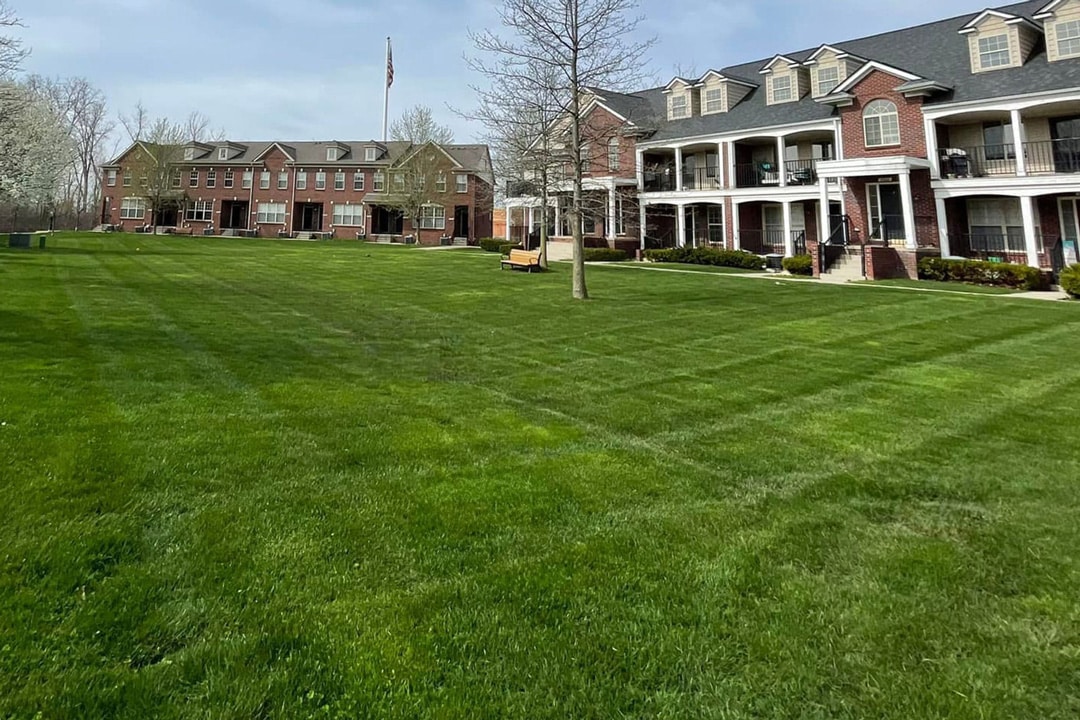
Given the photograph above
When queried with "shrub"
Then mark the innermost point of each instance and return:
(799, 265)
(1070, 280)
(492, 244)
(978, 272)
(605, 255)
(707, 256)
(506, 247)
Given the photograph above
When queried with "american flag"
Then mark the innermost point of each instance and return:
(389, 64)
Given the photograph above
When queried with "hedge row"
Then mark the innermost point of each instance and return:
(1070, 280)
(707, 256)
(605, 255)
(979, 272)
(799, 265)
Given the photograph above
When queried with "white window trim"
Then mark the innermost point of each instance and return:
(223, 154)
(789, 89)
(193, 179)
(356, 213)
(821, 90)
(199, 211)
(301, 180)
(264, 180)
(211, 179)
(885, 142)
(1074, 38)
(434, 220)
(371, 154)
(461, 183)
(262, 213)
(715, 105)
(189, 153)
(283, 180)
(229, 180)
(339, 182)
(331, 154)
(378, 181)
(359, 181)
(110, 180)
(133, 208)
(680, 106)
(1007, 49)
(320, 181)
(614, 155)
(247, 180)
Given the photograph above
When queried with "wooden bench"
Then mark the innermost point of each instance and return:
(522, 260)
(183, 231)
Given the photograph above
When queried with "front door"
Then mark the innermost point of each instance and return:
(311, 217)
(461, 221)
(886, 212)
(773, 222)
(1070, 229)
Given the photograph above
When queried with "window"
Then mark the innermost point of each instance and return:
(223, 154)
(189, 153)
(283, 181)
(272, 213)
(781, 89)
(229, 178)
(111, 182)
(378, 181)
(461, 183)
(127, 178)
(433, 217)
(399, 182)
(827, 79)
(440, 183)
(264, 180)
(320, 181)
(211, 178)
(371, 154)
(994, 51)
(620, 226)
(714, 100)
(193, 179)
(144, 181)
(301, 180)
(613, 154)
(331, 154)
(358, 180)
(177, 179)
(996, 225)
(339, 181)
(678, 107)
(1068, 38)
(200, 211)
(246, 179)
(132, 209)
(881, 124)
(998, 141)
(349, 215)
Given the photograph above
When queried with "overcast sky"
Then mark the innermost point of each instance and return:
(313, 69)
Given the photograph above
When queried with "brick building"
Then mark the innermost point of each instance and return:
(959, 138)
(324, 189)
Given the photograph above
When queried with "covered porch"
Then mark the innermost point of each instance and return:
(1034, 230)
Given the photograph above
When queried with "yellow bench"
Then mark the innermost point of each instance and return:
(522, 260)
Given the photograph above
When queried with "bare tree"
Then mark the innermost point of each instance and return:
(418, 181)
(137, 123)
(154, 164)
(417, 125)
(12, 52)
(197, 128)
(584, 44)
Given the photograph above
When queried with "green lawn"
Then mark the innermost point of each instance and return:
(255, 479)
(947, 286)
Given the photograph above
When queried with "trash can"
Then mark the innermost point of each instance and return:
(774, 262)
(41, 242)
(18, 240)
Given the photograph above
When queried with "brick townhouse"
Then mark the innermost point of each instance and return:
(956, 138)
(302, 189)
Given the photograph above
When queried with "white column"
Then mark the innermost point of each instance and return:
(610, 225)
(509, 215)
(678, 169)
(1018, 143)
(910, 241)
(789, 241)
(1027, 209)
(680, 225)
(558, 216)
(824, 229)
(943, 227)
(639, 169)
(735, 225)
(641, 221)
(780, 155)
(732, 177)
(721, 166)
(932, 154)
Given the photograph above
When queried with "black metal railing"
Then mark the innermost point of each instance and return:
(836, 244)
(762, 242)
(1041, 157)
(801, 172)
(762, 174)
(997, 247)
(886, 230)
(706, 178)
(712, 236)
(798, 241)
(661, 179)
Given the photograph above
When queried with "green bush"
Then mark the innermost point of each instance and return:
(605, 255)
(707, 256)
(799, 265)
(492, 244)
(979, 272)
(1070, 280)
(506, 247)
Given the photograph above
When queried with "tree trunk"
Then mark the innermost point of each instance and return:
(580, 291)
(544, 222)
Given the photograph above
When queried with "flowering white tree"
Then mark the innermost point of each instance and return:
(34, 148)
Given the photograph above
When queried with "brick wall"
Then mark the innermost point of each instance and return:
(880, 85)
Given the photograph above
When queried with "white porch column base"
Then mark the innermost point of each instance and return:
(910, 240)
(943, 227)
(789, 241)
(1027, 210)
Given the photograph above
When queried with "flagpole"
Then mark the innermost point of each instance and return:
(386, 92)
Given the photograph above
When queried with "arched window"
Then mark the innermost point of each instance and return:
(881, 124)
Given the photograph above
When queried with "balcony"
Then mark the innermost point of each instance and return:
(764, 242)
(1044, 157)
(705, 178)
(767, 174)
(659, 179)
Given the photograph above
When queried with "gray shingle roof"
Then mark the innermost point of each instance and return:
(934, 51)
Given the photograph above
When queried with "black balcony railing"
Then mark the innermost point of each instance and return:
(762, 174)
(763, 242)
(713, 235)
(706, 178)
(887, 230)
(801, 172)
(1041, 157)
(1005, 247)
(661, 179)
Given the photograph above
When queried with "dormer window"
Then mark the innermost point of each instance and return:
(223, 154)
(827, 79)
(189, 153)
(331, 154)
(371, 154)
(679, 107)
(1068, 38)
(781, 89)
(994, 51)
(714, 100)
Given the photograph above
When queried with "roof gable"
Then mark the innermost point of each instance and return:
(987, 14)
(859, 75)
(1047, 12)
(285, 149)
(777, 59)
